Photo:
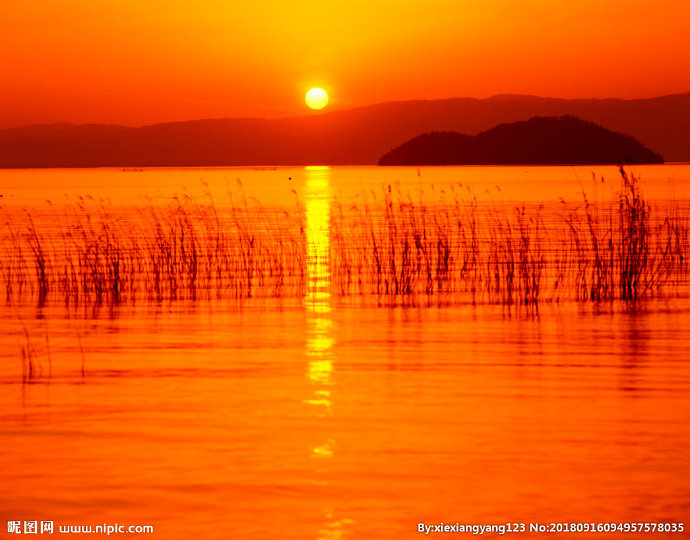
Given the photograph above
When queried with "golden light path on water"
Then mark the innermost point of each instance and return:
(317, 301)
(319, 324)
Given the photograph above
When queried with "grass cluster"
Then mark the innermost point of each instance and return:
(90, 253)
(394, 246)
(388, 246)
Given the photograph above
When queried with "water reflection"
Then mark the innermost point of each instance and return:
(317, 301)
(319, 324)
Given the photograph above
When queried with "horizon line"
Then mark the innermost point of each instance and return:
(331, 112)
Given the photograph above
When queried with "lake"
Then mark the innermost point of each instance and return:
(324, 407)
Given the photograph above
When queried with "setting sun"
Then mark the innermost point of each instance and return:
(345, 270)
(316, 98)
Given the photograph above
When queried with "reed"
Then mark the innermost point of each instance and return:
(93, 253)
(388, 246)
(30, 358)
(32, 354)
(397, 249)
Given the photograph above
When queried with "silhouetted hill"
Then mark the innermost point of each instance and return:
(348, 137)
(538, 141)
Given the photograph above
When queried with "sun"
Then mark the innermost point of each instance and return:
(316, 98)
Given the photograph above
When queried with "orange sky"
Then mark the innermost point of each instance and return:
(136, 62)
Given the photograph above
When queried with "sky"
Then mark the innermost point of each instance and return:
(137, 62)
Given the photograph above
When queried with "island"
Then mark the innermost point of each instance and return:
(541, 140)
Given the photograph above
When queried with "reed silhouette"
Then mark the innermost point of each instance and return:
(92, 253)
(389, 246)
(455, 248)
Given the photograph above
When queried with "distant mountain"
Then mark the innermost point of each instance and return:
(565, 140)
(349, 137)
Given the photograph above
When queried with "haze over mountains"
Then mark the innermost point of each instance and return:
(348, 137)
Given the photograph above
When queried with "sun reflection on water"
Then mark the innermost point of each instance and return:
(320, 326)
(317, 301)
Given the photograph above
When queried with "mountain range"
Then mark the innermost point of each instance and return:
(541, 140)
(347, 137)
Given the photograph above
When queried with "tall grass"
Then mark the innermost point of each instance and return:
(388, 245)
(91, 253)
(31, 353)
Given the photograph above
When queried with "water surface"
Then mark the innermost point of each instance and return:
(320, 417)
